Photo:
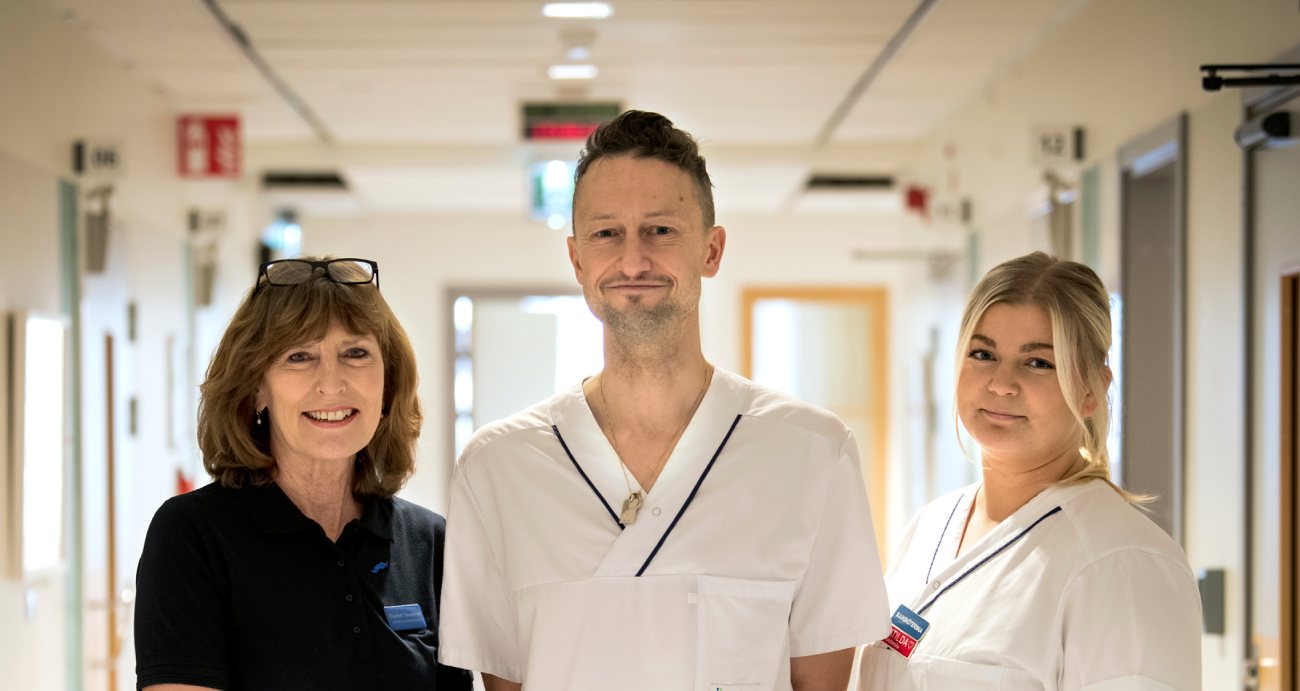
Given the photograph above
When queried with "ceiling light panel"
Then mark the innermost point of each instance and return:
(577, 10)
(572, 72)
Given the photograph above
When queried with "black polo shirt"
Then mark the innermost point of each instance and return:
(238, 590)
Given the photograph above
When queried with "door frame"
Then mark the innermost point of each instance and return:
(1289, 627)
(1256, 103)
(1155, 149)
(451, 350)
(876, 299)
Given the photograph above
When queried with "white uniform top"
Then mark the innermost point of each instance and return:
(774, 556)
(1094, 596)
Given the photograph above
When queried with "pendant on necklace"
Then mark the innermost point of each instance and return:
(631, 506)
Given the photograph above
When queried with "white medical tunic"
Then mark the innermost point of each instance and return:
(755, 545)
(1077, 590)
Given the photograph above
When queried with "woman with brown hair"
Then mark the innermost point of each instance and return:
(297, 568)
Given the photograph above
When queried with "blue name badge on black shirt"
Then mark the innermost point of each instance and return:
(404, 617)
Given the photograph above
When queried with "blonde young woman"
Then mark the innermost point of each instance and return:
(1044, 575)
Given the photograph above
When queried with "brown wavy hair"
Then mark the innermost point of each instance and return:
(271, 319)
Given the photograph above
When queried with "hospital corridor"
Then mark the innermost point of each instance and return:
(869, 160)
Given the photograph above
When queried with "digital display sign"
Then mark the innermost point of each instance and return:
(565, 121)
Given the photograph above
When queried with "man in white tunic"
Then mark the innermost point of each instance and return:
(662, 525)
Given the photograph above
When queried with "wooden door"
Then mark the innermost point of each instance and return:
(829, 347)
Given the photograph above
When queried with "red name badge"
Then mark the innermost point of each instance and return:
(908, 628)
(901, 642)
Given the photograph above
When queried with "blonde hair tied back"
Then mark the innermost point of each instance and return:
(1078, 305)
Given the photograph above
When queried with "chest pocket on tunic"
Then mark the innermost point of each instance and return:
(942, 674)
(743, 632)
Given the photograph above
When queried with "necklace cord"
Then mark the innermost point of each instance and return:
(556, 430)
(672, 442)
(941, 536)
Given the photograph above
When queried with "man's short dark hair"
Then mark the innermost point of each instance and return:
(641, 134)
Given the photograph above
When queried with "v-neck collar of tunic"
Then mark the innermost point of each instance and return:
(946, 561)
(725, 398)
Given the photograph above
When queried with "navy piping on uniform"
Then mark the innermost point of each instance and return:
(689, 498)
(595, 491)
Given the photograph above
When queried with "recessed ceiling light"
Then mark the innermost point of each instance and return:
(578, 53)
(571, 72)
(577, 10)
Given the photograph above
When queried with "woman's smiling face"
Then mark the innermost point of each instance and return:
(1008, 394)
(324, 397)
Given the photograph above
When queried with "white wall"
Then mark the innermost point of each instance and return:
(55, 87)
(1120, 68)
(1215, 351)
(32, 647)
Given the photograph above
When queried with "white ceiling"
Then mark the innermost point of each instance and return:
(420, 98)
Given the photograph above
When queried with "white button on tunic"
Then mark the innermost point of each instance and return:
(773, 557)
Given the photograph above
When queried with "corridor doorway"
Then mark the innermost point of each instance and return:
(1289, 467)
(1273, 502)
(1152, 323)
(512, 348)
(829, 347)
